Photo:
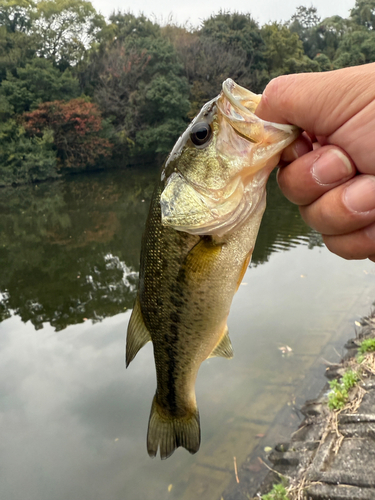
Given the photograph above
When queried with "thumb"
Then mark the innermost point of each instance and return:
(319, 103)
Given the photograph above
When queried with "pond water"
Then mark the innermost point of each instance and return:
(73, 421)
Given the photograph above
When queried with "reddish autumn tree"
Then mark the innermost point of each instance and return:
(77, 129)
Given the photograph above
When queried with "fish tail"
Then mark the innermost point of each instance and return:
(167, 434)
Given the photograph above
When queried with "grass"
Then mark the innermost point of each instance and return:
(339, 398)
(365, 347)
(339, 395)
(278, 492)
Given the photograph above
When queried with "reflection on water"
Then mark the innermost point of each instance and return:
(73, 421)
(69, 250)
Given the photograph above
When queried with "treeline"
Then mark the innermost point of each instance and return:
(79, 92)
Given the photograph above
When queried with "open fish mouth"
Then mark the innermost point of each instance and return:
(238, 108)
(250, 146)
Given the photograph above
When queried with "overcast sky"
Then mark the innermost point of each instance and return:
(195, 11)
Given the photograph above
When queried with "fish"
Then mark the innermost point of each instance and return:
(199, 237)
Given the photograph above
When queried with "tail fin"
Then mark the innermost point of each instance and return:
(168, 434)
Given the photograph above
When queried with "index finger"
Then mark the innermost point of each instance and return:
(319, 103)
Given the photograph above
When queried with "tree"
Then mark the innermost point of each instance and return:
(77, 128)
(363, 13)
(17, 15)
(238, 31)
(18, 43)
(25, 159)
(126, 28)
(67, 28)
(39, 81)
(281, 46)
(357, 47)
(141, 88)
(117, 89)
(207, 63)
(304, 22)
(240, 34)
(330, 33)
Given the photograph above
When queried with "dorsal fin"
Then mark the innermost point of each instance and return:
(224, 348)
(138, 334)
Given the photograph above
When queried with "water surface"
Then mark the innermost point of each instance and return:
(73, 421)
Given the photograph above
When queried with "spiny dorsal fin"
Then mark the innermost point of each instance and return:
(224, 348)
(168, 433)
(137, 335)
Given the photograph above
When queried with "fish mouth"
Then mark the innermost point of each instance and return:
(237, 107)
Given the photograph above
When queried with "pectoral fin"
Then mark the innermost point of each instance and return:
(202, 260)
(138, 334)
(224, 348)
(245, 265)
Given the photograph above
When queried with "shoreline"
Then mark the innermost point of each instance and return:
(331, 454)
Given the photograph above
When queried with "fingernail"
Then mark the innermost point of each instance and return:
(360, 196)
(299, 148)
(332, 166)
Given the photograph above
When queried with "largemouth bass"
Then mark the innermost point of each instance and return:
(200, 233)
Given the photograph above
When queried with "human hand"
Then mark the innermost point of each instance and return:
(330, 170)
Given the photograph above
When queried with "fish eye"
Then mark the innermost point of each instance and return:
(200, 133)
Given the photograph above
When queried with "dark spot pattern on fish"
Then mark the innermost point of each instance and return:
(171, 396)
(176, 301)
(175, 318)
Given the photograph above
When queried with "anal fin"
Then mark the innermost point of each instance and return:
(224, 348)
(138, 334)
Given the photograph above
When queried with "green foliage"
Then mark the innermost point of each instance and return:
(367, 345)
(363, 13)
(24, 159)
(237, 36)
(237, 31)
(16, 15)
(18, 43)
(324, 62)
(284, 51)
(339, 395)
(304, 23)
(38, 82)
(69, 250)
(127, 27)
(208, 62)
(278, 492)
(330, 33)
(67, 28)
(141, 89)
(148, 80)
(356, 47)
